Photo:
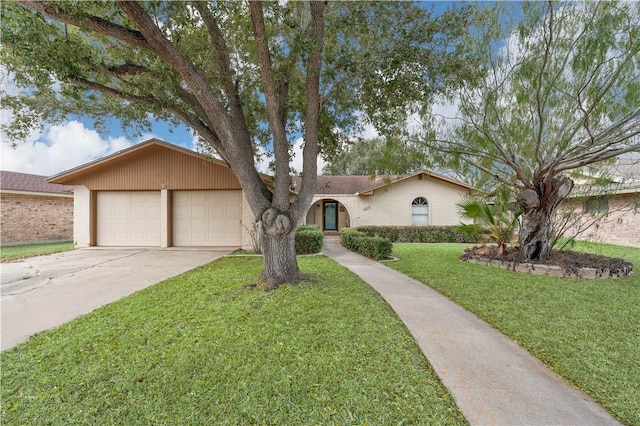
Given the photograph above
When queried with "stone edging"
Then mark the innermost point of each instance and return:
(551, 270)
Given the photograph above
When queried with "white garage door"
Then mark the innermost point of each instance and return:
(207, 218)
(128, 218)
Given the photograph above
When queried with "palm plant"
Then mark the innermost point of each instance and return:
(497, 212)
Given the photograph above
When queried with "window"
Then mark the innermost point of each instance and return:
(420, 212)
(599, 205)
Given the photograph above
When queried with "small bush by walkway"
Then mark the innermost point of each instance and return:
(585, 330)
(201, 348)
(373, 247)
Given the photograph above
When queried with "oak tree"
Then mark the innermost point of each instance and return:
(239, 74)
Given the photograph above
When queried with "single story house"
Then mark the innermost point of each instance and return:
(420, 198)
(609, 213)
(34, 210)
(159, 194)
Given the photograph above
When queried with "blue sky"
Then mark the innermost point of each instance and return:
(75, 142)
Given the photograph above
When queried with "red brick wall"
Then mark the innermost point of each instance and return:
(26, 218)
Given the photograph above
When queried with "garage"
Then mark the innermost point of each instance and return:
(128, 218)
(156, 194)
(207, 218)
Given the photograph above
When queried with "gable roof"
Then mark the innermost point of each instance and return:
(364, 184)
(138, 149)
(14, 181)
(142, 146)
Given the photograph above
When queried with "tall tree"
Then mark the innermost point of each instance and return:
(237, 73)
(377, 156)
(562, 92)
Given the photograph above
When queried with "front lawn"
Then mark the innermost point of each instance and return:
(201, 348)
(9, 253)
(586, 330)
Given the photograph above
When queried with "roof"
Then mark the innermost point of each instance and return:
(14, 181)
(364, 184)
(81, 169)
(626, 170)
(66, 175)
(624, 177)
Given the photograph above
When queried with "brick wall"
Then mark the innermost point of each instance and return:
(621, 226)
(28, 218)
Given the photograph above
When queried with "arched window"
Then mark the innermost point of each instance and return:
(420, 212)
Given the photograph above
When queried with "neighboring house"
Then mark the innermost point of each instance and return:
(610, 213)
(421, 198)
(159, 194)
(33, 210)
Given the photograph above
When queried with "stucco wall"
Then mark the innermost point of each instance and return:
(26, 218)
(345, 217)
(391, 205)
(621, 226)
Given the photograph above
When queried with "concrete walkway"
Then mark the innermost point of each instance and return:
(43, 292)
(493, 380)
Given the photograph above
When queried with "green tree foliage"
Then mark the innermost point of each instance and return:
(562, 91)
(377, 156)
(238, 74)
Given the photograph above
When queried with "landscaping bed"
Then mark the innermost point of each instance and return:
(561, 263)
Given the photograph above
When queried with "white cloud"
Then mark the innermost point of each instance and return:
(263, 160)
(59, 148)
(369, 132)
(296, 158)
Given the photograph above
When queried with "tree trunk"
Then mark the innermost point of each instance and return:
(538, 211)
(277, 234)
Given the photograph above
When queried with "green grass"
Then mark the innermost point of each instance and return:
(29, 250)
(201, 348)
(586, 330)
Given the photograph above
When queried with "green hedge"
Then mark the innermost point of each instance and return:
(374, 247)
(309, 240)
(419, 234)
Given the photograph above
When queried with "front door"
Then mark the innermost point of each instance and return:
(330, 216)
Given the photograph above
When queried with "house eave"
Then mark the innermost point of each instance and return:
(37, 193)
(69, 175)
(370, 191)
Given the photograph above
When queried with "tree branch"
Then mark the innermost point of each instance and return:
(312, 113)
(191, 121)
(224, 66)
(94, 23)
(239, 150)
(280, 143)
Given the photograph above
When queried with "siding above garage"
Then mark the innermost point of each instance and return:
(151, 165)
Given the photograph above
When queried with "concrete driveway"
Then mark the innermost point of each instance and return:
(46, 291)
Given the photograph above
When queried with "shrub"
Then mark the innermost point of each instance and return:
(374, 247)
(420, 234)
(309, 240)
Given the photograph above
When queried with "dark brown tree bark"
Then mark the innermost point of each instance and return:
(538, 209)
(277, 233)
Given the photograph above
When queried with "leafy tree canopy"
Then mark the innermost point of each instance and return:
(562, 92)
